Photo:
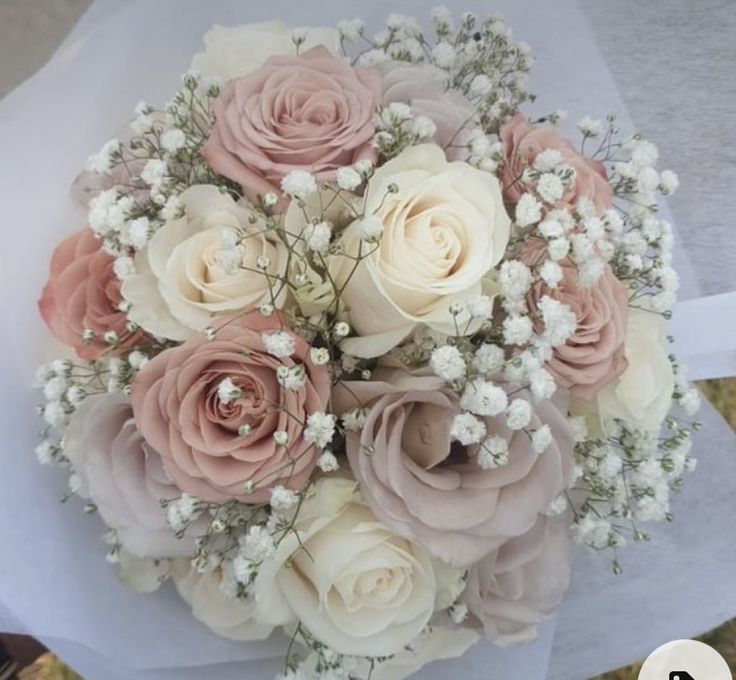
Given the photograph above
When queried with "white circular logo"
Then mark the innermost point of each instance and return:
(685, 660)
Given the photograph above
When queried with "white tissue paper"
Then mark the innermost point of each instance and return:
(54, 581)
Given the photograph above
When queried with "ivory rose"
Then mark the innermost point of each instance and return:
(594, 355)
(444, 229)
(353, 584)
(642, 396)
(424, 88)
(178, 411)
(180, 285)
(124, 476)
(310, 112)
(232, 51)
(513, 588)
(83, 293)
(431, 489)
(522, 143)
(212, 597)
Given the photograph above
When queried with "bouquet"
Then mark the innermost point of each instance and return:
(354, 349)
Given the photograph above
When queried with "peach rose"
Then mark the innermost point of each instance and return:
(310, 112)
(522, 142)
(83, 293)
(511, 590)
(200, 437)
(431, 489)
(594, 355)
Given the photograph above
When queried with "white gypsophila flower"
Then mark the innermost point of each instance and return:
(668, 182)
(230, 260)
(483, 398)
(551, 273)
(488, 358)
(364, 167)
(423, 128)
(181, 511)
(101, 161)
(263, 262)
(291, 377)
(519, 414)
(341, 329)
(327, 462)
(154, 172)
(515, 278)
(590, 127)
(398, 111)
(579, 427)
(45, 452)
(320, 429)
(557, 507)
(123, 267)
(550, 187)
(480, 307)
(441, 16)
(458, 612)
(560, 321)
(54, 388)
(541, 439)
(173, 140)
(558, 248)
(479, 143)
(282, 498)
(348, 179)
(467, 429)
(243, 569)
(354, 419)
(690, 402)
(279, 344)
(257, 545)
(517, 329)
(350, 29)
(281, 437)
(229, 238)
(481, 85)
(139, 231)
(319, 356)
(528, 210)
(448, 363)
(137, 360)
(551, 228)
(228, 391)
(75, 395)
(590, 272)
(644, 154)
(299, 184)
(542, 383)
(444, 55)
(370, 228)
(547, 160)
(172, 208)
(317, 236)
(494, 453)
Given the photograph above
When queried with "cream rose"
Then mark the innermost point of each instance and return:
(444, 229)
(236, 50)
(212, 597)
(356, 586)
(642, 396)
(180, 285)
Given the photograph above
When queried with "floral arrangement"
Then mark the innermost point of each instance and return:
(353, 347)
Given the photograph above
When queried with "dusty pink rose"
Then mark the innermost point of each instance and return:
(431, 489)
(424, 87)
(522, 142)
(83, 293)
(311, 112)
(513, 588)
(595, 354)
(178, 411)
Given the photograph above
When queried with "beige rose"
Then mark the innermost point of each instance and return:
(444, 229)
(642, 396)
(180, 286)
(232, 51)
(356, 586)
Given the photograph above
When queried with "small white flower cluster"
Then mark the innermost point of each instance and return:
(397, 128)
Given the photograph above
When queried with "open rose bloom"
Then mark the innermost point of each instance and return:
(356, 351)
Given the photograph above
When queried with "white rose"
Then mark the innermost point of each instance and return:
(443, 230)
(642, 396)
(354, 585)
(124, 477)
(212, 598)
(235, 51)
(180, 284)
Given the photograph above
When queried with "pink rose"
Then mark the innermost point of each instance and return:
(425, 89)
(178, 411)
(594, 356)
(522, 142)
(429, 488)
(125, 478)
(83, 293)
(514, 587)
(310, 112)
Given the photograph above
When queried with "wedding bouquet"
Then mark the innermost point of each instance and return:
(353, 347)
